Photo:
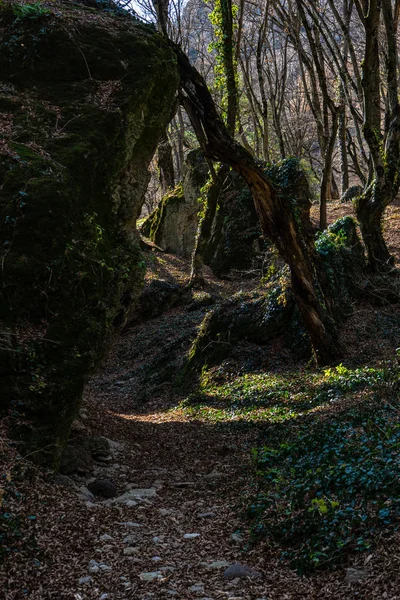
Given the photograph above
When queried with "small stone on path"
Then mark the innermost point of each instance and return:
(151, 576)
(354, 575)
(130, 539)
(191, 536)
(238, 571)
(217, 564)
(129, 551)
(102, 488)
(197, 588)
(93, 566)
(130, 503)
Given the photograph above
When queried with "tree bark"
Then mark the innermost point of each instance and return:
(385, 150)
(369, 210)
(277, 219)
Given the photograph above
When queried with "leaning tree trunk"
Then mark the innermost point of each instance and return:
(277, 217)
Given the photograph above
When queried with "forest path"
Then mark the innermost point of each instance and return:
(187, 526)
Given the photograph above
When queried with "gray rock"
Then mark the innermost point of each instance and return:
(130, 539)
(85, 580)
(197, 588)
(354, 575)
(158, 296)
(97, 446)
(130, 503)
(237, 538)
(102, 488)
(93, 566)
(176, 225)
(85, 494)
(217, 564)
(115, 446)
(354, 191)
(75, 459)
(206, 515)
(104, 567)
(151, 575)
(77, 426)
(129, 551)
(238, 570)
(106, 538)
(64, 481)
(191, 536)
(213, 476)
(156, 540)
(136, 494)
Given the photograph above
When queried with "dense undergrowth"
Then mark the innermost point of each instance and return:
(327, 464)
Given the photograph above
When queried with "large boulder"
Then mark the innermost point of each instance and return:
(261, 316)
(173, 225)
(84, 97)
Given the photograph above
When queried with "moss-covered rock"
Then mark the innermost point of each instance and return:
(236, 240)
(259, 317)
(84, 97)
(173, 224)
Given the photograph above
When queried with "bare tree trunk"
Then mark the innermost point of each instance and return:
(369, 214)
(385, 185)
(229, 64)
(326, 182)
(344, 162)
(277, 218)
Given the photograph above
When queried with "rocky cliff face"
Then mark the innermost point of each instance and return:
(84, 97)
(173, 225)
(235, 240)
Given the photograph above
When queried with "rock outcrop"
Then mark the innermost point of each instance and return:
(262, 315)
(235, 240)
(84, 97)
(173, 225)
